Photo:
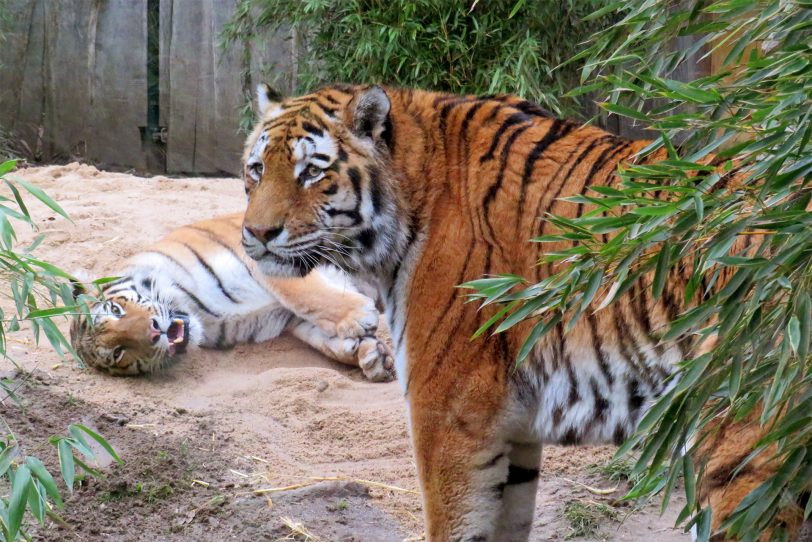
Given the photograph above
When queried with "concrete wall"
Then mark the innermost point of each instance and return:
(73, 81)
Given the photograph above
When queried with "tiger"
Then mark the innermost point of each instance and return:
(197, 288)
(420, 192)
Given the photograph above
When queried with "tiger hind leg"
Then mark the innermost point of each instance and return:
(519, 496)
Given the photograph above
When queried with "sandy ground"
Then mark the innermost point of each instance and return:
(205, 440)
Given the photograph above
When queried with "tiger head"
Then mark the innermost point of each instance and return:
(318, 178)
(124, 334)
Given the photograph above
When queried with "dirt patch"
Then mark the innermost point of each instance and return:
(179, 488)
(205, 440)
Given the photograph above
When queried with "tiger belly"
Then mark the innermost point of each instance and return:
(577, 395)
(259, 326)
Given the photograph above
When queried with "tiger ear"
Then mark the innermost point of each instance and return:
(78, 288)
(371, 114)
(79, 281)
(267, 98)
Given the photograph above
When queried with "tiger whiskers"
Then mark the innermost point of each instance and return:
(334, 230)
(339, 260)
(328, 255)
(341, 249)
(308, 257)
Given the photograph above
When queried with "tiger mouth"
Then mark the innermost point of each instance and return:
(178, 335)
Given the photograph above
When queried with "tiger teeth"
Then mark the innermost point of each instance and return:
(182, 328)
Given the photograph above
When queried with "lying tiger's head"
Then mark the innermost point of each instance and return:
(125, 334)
(318, 180)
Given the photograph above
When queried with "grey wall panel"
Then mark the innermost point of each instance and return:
(206, 88)
(118, 84)
(21, 71)
(73, 81)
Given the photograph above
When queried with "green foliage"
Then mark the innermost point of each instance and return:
(40, 291)
(586, 518)
(33, 488)
(462, 47)
(754, 113)
(618, 469)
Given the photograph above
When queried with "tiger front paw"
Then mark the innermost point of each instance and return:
(376, 360)
(355, 323)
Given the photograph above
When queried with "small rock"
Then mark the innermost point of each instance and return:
(321, 385)
(118, 419)
(42, 378)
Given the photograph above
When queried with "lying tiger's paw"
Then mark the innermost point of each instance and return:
(376, 360)
(344, 350)
(358, 322)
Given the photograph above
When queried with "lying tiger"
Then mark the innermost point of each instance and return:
(196, 287)
(423, 191)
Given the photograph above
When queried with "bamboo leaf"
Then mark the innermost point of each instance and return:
(520, 314)
(804, 317)
(6, 457)
(519, 4)
(66, 464)
(40, 194)
(689, 478)
(605, 10)
(54, 311)
(41, 473)
(624, 111)
(661, 273)
(692, 93)
(703, 525)
(493, 319)
(794, 333)
(7, 166)
(36, 501)
(538, 331)
(19, 498)
(99, 439)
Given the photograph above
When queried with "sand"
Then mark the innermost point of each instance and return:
(206, 439)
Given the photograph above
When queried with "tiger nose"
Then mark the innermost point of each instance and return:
(264, 234)
(154, 331)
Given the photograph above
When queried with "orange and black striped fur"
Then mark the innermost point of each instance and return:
(421, 192)
(196, 287)
(721, 454)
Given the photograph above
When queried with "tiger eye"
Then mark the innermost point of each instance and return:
(118, 353)
(255, 169)
(312, 171)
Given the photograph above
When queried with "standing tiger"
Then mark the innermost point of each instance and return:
(424, 191)
(196, 287)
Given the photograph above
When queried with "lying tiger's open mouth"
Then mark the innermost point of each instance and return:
(178, 335)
